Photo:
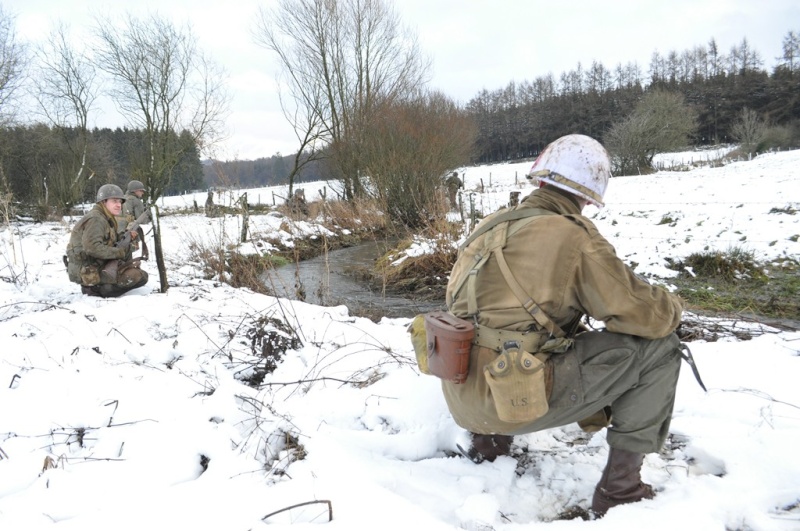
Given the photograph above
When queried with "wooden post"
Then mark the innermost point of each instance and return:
(245, 217)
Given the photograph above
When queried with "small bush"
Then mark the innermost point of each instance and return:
(776, 137)
(730, 266)
(222, 262)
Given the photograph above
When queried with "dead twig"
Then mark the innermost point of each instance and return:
(357, 383)
(759, 394)
(49, 306)
(328, 502)
(696, 327)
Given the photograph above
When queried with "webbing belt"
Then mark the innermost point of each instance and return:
(494, 338)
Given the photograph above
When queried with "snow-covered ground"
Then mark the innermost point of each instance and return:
(133, 413)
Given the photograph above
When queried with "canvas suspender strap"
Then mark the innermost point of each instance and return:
(510, 215)
(480, 259)
(527, 302)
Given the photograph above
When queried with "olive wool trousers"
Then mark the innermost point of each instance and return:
(636, 377)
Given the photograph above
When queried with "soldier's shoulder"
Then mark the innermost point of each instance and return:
(582, 222)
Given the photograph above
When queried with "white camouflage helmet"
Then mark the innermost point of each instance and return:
(576, 163)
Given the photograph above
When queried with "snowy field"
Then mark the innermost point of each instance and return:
(134, 413)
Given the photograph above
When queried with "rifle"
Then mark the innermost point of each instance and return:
(126, 240)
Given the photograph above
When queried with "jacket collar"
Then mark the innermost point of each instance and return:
(553, 200)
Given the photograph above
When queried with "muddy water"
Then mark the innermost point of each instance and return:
(329, 281)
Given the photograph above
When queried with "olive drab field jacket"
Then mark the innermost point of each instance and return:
(568, 268)
(92, 242)
(132, 208)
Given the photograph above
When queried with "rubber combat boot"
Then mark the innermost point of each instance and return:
(488, 447)
(621, 482)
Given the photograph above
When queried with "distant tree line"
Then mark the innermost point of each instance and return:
(37, 170)
(354, 89)
(267, 171)
(519, 120)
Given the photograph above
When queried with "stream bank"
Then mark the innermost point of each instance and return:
(342, 277)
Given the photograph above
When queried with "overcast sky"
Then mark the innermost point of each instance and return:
(474, 44)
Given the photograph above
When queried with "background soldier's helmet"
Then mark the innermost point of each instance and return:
(576, 163)
(135, 185)
(110, 191)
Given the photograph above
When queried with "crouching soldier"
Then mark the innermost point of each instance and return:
(134, 209)
(526, 277)
(98, 257)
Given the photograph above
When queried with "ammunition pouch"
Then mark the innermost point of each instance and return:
(448, 342)
(419, 341)
(90, 275)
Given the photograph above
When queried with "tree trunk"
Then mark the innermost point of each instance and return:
(162, 268)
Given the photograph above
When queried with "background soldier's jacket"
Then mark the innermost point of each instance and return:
(92, 242)
(132, 208)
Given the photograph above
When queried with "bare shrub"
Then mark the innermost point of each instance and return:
(749, 130)
(409, 149)
(777, 137)
(221, 261)
(660, 123)
(6, 214)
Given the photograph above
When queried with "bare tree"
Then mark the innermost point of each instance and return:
(66, 90)
(660, 122)
(341, 59)
(409, 149)
(12, 64)
(306, 125)
(749, 130)
(164, 86)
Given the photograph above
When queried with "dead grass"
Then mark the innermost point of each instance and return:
(424, 275)
(729, 266)
(733, 283)
(361, 215)
(220, 261)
